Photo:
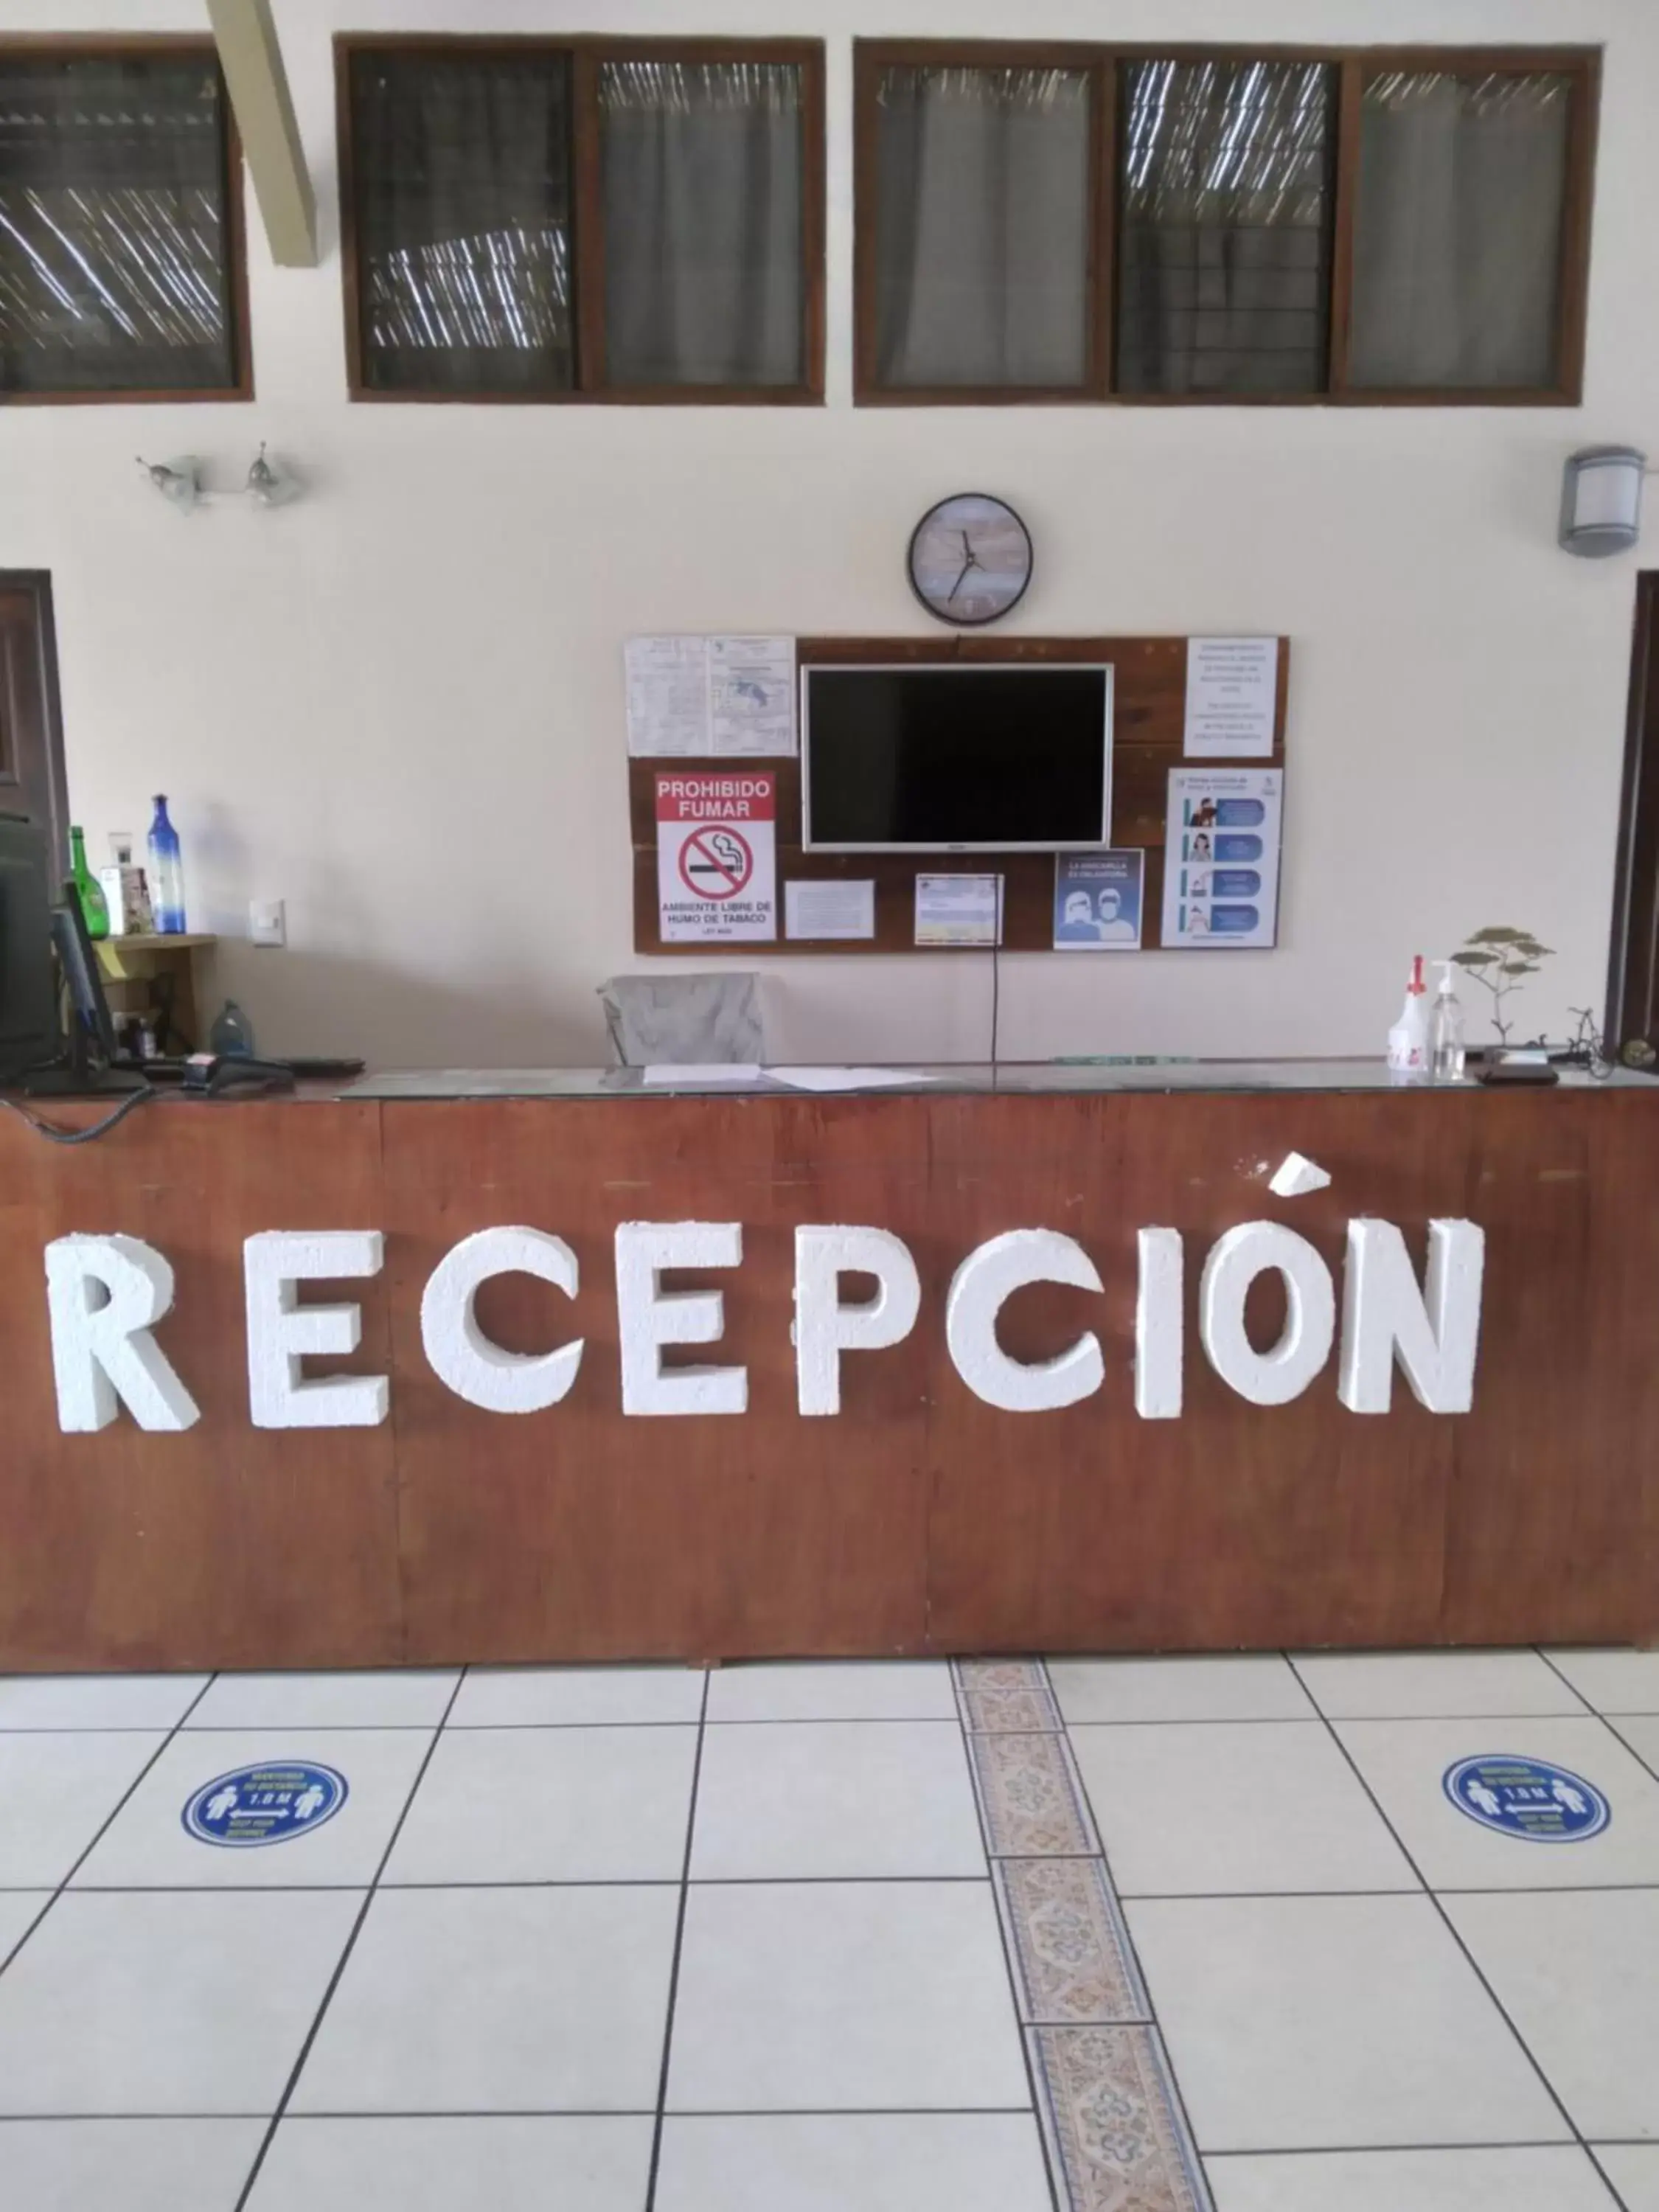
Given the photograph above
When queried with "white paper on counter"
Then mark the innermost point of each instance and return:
(751, 696)
(845, 1079)
(695, 1076)
(830, 908)
(1232, 693)
(959, 910)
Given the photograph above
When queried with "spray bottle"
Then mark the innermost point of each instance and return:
(1446, 1030)
(1408, 1040)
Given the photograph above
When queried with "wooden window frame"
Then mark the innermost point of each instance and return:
(586, 53)
(1352, 66)
(160, 46)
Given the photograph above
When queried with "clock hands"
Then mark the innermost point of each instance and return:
(970, 560)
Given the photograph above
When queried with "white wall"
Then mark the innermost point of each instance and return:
(398, 704)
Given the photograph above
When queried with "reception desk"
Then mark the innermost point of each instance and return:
(919, 1518)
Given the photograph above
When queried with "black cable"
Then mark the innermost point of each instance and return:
(996, 980)
(55, 1135)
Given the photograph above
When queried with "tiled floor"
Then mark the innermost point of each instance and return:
(1108, 1936)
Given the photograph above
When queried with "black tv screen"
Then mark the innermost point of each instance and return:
(975, 757)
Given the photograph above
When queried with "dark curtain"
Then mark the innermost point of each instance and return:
(703, 177)
(461, 169)
(114, 270)
(1224, 254)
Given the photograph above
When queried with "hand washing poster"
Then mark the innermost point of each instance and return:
(1221, 858)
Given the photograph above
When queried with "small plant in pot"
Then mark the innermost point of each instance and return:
(1497, 959)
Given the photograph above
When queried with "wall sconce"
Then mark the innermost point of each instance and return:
(1601, 501)
(180, 484)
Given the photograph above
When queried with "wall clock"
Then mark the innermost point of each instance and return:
(970, 559)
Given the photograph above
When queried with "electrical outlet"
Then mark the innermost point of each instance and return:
(267, 921)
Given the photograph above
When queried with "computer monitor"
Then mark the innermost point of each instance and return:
(93, 1038)
(30, 1031)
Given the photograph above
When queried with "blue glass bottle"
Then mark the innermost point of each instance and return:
(166, 873)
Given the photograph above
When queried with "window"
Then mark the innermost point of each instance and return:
(1085, 222)
(589, 219)
(121, 266)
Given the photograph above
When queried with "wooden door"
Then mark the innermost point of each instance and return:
(30, 725)
(1632, 1018)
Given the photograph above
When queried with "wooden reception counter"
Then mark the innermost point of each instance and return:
(1162, 1508)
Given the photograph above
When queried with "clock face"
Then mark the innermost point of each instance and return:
(970, 559)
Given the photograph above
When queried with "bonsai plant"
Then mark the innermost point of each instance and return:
(1498, 959)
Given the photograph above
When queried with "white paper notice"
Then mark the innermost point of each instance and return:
(667, 695)
(1232, 691)
(751, 696)
(959, 910)
(716, 697)
(846, 1079)
(1221, 857)
(830, 909)
(698, 1077)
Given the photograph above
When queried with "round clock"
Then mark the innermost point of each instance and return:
(970, 559)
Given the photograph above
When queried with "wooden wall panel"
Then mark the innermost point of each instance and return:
(918, 1520)
(1149, 728)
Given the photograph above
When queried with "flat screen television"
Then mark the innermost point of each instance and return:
(972, 756)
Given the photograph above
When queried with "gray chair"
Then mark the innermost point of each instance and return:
(681, 1021)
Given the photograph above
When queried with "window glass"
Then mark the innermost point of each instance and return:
(1224, 227)
(461, 186)
(1457, 231)
(702, 166)
(114, 255)
(983, 227)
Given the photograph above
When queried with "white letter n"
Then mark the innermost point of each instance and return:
(1435, 1333)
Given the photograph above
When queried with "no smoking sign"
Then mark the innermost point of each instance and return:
(717, 856)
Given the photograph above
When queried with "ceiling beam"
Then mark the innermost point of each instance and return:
(252, 64)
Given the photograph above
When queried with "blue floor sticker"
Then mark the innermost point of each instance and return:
(255, 1805)
(1526, 1797)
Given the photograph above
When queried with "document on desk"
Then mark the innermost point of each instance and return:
(700, 1077)
(846, 1079)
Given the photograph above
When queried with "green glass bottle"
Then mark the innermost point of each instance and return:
(95, 909)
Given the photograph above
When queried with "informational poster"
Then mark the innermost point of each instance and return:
(1221, 857)
(717, 856)
(831, 908)
(1232, 693)
(1097, 901)
(959, 910)
(712, 697)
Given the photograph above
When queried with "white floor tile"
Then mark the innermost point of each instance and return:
(148, 1845)
(835, 1798)
(1319, 2022)
(19, 1909)
(389, 1697)
(833, 1689)
(585, 1804)
(1425, 1685)
(96, 1701)
(57, 1791)
(853, 2162)
(1406, 1761)
(844, 1995)
(1615, 1682)
(1641, 1732)
(1558, 2180)
(1250, 1687)
(567, 1697)
(126, 2166)
(1578, 1974)
(1234, 1806)
(164, 2003)
(1633, 2170)
(499, 2000)
(505, 2162)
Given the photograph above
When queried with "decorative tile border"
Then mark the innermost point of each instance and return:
(1115, 2137)
(1031, 1797)
(1005, 1696)
(1073, 1965)
(1117, 2140)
